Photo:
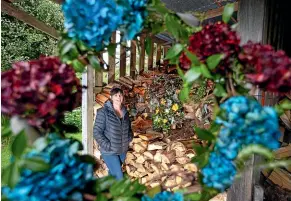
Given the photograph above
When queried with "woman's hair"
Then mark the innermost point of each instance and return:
(115, 90)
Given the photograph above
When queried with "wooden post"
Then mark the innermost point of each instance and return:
(159, 54)
(122, 61)
(87, 110)
(165, 51)
(142, 54)
(251, 15)
(111, 72)
(151, 57)
(132, 58)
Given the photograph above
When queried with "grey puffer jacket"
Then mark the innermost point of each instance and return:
(112, 133)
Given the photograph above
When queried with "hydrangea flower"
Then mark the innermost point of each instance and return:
(266, 67)
(164, 196)
(219, 172)
(40, 90)
(134, 15)
(213, 39)
(92, 21)
(65, 180)
(244, 122)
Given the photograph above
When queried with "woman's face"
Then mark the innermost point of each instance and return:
(117, 99)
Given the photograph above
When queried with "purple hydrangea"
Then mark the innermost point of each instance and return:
(65, 180)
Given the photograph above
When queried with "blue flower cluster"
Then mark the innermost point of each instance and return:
(135, 13)
(65, 180)
(164, 196)
(94, 21)
(244, 122)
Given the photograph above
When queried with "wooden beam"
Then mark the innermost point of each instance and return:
(132, 58)
(111, 72)
(218, 11)
(87, 110)
(151, 57)
(11, 10)
(122, 61)
(142, 54)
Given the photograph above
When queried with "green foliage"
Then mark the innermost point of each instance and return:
(74, 118)
(22, 42)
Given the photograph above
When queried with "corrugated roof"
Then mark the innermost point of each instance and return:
(194, 5)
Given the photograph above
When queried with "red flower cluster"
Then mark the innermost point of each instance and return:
(213, 39)
(267, 68)
(40, 90)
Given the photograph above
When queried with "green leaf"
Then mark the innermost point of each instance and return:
(184, 94)
(148, 45)
(204, 134)
(126, 199)
(285, 104)
(193, 196)
(94, 62)
(219, 91)
(205, 72)
(36, 164)
(275, 164)
(180, 73)
(19, 144)
(101, 197)
(82, 46)
(214, 60)
(201, 160)
(192, 74)
(111, 48)
(193, 58)
(11, 174)
(199, 149)
(227, 12)
(174, 26)
(153, 191)
(134, 188)
(86, 158)
(174, 51)
(78, 66)
(255, 149)
(119, 187)
(68, 45)
(104, 183)
(40, 143)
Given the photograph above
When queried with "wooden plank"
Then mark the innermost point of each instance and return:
(132, 58)
(11, 10)
(111, 72)
(142, 54)
(87, 110)
(218, 11)
(122, 61)
(151, 57)
(251, 15)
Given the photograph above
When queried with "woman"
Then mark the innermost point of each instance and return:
(112, 131)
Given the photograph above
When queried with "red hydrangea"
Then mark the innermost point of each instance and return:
(267, 68)
(40, 90)
(213, 39)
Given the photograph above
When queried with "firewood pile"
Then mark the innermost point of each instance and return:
(154, 158)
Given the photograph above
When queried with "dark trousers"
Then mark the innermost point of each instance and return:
(114, 162)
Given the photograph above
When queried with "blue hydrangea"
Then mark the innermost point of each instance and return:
(134, 15)
(92, 21)
(164, 196)
(65, 180)
(219, 172)
(246, 122)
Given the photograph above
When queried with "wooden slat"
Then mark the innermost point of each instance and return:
(132, 58)
(11, 10)
(151, 57)
(218, 11)
(111, 72)
(122, 61)
(142, 54)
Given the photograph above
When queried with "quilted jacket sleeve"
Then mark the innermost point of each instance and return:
(98, 130)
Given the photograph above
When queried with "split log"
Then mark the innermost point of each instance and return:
(283, 152)
(148, 155)
(156, 146)
(151, 136)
